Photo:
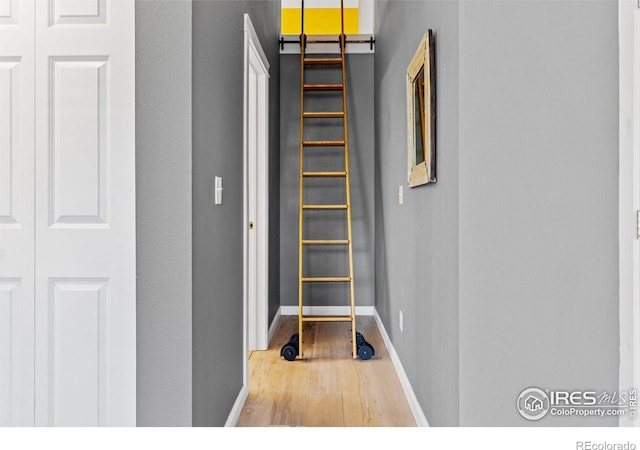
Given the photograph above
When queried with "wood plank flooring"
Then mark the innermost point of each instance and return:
(328, 388)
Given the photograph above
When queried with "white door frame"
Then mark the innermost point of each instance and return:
(256, 195)
(629, 198)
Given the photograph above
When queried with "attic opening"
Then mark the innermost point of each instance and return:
(322, 23)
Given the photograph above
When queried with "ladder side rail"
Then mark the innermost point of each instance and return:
(301, 21)
(352, 296)
(301, 181)
(341, 18)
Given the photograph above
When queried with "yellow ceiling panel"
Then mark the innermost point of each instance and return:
(320, 20)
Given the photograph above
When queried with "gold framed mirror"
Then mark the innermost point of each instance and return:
(421, 114)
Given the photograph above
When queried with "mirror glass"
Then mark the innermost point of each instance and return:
(418, 117)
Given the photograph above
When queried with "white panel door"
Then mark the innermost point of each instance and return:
(16, 212)
(256, 192)
(85, 213)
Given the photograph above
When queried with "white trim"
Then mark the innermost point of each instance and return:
(629, 198)
(274, 324)
(254, 57)
(253, 38)
(327, 310)
(416, 409)
(235, 412)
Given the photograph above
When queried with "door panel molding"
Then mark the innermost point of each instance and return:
(79, 155)
(77, 312)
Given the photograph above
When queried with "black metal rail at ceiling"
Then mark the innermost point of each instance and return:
(369, 41)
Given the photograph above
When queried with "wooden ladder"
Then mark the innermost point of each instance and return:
(360, 348)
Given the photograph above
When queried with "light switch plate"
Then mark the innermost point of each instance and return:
(218, 191)
(400, 195)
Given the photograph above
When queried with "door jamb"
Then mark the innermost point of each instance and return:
(629, 199)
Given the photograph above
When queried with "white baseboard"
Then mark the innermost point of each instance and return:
(234, 415)
(328, 310)
(274, 324)
(416, 409)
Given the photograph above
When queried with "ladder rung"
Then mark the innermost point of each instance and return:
(324, 279)
(323, 143)
(324, 174)
(324, 206)
(323, 115)
(327, 318)
(323, 61)
(325, 241)
(323, 87)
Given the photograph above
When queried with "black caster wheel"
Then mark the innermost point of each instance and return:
(295, 338)
(289, 352)
(365, 352)
(359, 338)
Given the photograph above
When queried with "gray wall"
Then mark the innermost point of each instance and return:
(163, 212)
(506, 269)
(538, 204)
(217, 230)
(416, 246)
(327, 260)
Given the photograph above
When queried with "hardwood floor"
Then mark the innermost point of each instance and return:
(328, 388)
